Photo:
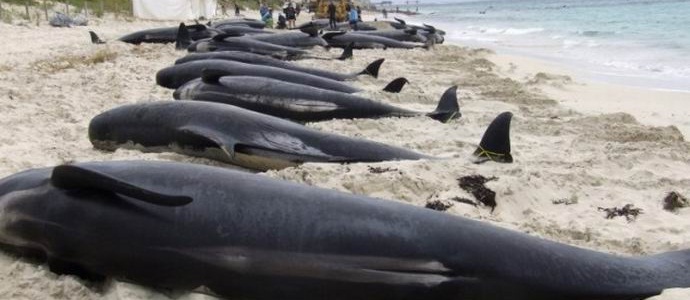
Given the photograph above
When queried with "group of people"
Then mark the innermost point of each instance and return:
(354, 15)
(290, 11)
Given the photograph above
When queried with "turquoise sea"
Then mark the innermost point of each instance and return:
(635, 42)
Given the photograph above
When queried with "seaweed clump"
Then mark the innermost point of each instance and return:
(628, 211)
(379, 170)
(474, 184)
(673, 201)
(438, 205)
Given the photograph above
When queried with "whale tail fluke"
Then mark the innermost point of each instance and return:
(495, 144)
(95, 39)
(183, 39)
(347, 53)
(373, 68)
(396, 85)
(448, 107)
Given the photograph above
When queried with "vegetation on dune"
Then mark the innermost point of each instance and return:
(95, 7)
(99, 7)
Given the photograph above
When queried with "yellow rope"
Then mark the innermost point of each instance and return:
(489, 153)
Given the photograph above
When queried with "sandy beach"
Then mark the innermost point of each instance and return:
(578, 145)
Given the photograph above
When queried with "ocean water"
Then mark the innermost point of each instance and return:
(644, 43)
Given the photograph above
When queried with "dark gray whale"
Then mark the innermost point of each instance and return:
(403, 35)
(234, 29)
(292, 39)
(175, 76)
(245, 236)
(228, 42)
(169, 34)
(339, 39)
(253, 23)
(257, 59)
(299, 102)
(231, 134)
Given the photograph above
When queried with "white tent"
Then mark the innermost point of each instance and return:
(173, 9)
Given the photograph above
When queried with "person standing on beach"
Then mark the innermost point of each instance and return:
(331, 16)
(263, 9)
(353, 16)
(359, 14)
(237, 10)
(290, 15)
(268, 18)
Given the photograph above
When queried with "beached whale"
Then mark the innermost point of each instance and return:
(175, 76)
(403, 35)
(251, 58)
(169, 34)
(307, 38)
(233, 29)
(231, 134)
(301, 103)
(182, 36)
(340, 39)
(430, 32)
(253, 23)
(246, 236)
(232, 42)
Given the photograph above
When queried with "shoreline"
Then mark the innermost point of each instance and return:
(586, 93)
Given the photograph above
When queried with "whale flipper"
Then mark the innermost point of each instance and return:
(183, 39)
(196, 135)
(448, 107)
(396, 85)
(95, 39)
(81, 177)
(373, 68)
(495, 144)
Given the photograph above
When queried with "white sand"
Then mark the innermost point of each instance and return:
(596, 160)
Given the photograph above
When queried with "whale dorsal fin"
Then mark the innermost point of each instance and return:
(212, 75)
(198, 133)
(447, 108)
(495, 144)
(396, 85)
(182, 40)
(78, 177)
(430, 28)
(373, 68)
